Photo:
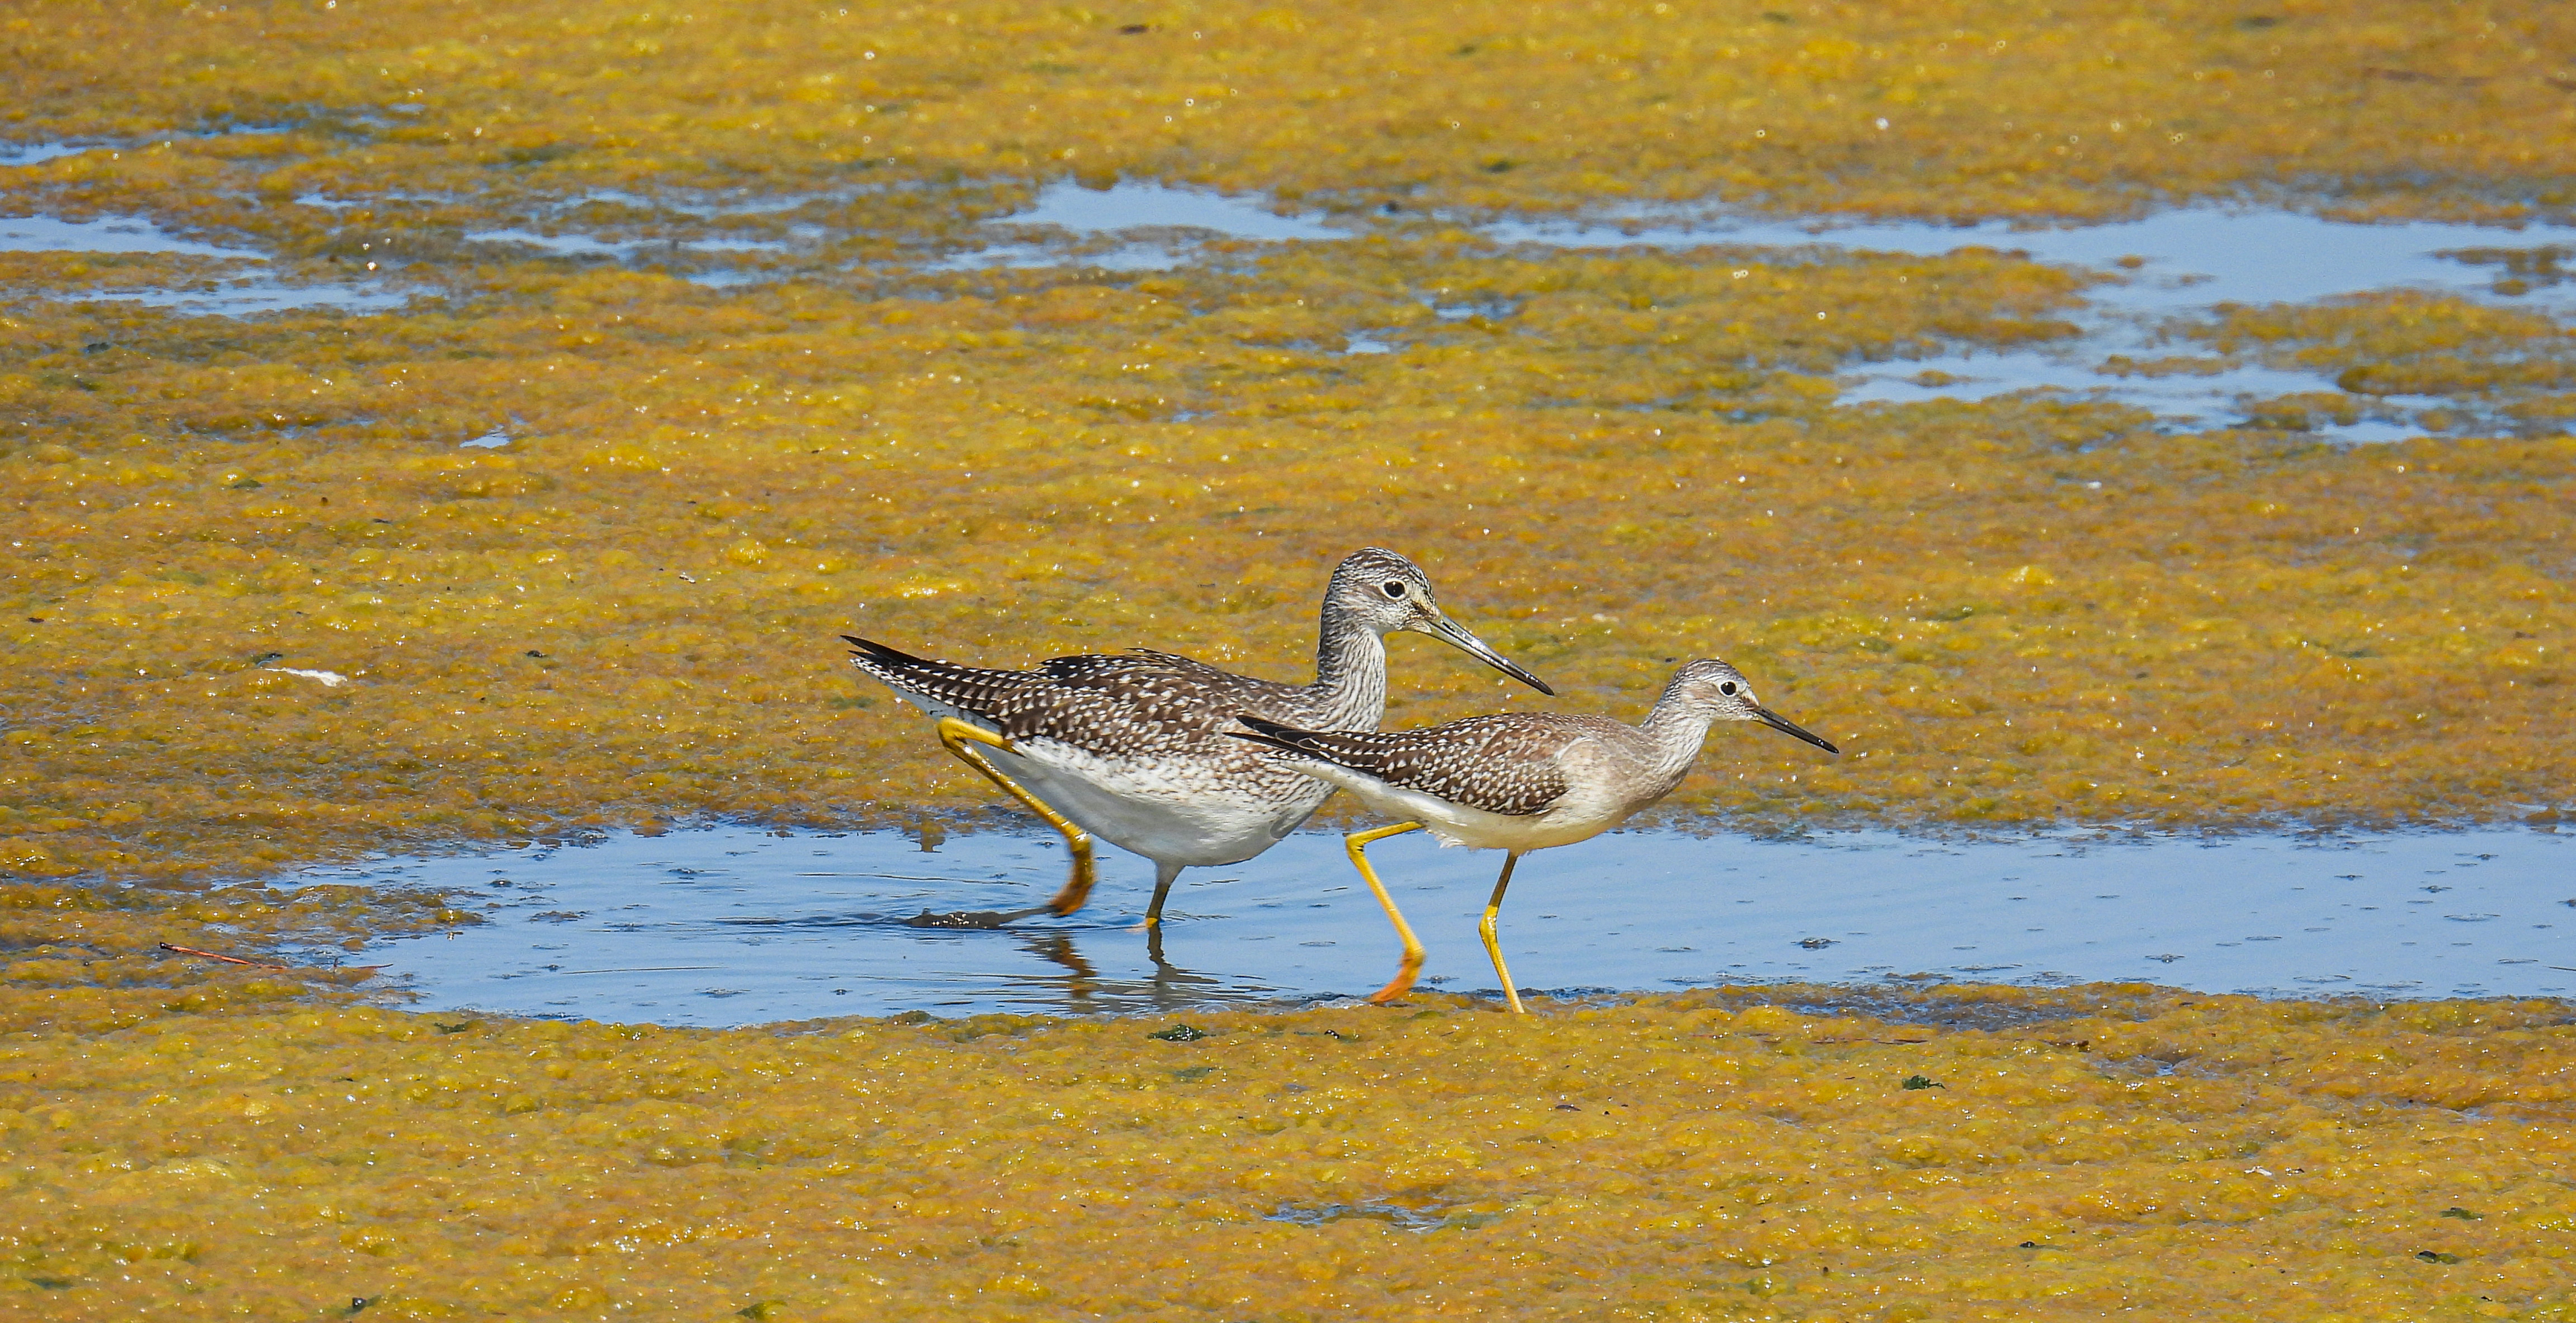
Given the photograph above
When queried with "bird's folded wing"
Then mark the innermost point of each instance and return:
(1126, 704)
(1501, 764)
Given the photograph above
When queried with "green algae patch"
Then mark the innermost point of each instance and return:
(266, 607)
(1739, 1153)
(2406, 343)
(203, 946)
(308, 124)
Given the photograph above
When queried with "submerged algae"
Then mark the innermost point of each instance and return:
(2053, 1155)
(2487, 369)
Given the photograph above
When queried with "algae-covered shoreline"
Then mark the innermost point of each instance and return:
(1607, 458)
(704, 289)
(1766, 1153)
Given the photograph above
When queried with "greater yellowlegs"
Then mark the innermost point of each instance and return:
(1131, 747)
(1517, 781)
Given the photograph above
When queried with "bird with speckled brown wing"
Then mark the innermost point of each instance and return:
(1131, 748)
(1516, 781)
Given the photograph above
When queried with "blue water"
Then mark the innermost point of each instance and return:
(2180, 263)
(744, 926)
(247, 290)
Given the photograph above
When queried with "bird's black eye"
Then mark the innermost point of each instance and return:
(1394, 588)
(1727, 688)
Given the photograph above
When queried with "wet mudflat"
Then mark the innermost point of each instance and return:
(746, 926)
(720, 339)
(2162, 275)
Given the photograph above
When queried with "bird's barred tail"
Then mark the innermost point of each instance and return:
(965, 688)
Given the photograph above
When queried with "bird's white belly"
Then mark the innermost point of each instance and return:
(1159, 810)
(1174, 811)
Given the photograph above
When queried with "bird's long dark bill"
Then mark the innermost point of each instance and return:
(1455, 635)
(1780, 723)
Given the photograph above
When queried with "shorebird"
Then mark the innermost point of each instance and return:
(1131, 748)
(1517, 781)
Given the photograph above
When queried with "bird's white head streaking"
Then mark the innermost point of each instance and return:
(1376, 590)
(1709, 690)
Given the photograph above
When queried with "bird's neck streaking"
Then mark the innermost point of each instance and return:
(1350, 674)
(1674, 731)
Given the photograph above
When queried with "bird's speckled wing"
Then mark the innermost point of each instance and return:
(1505, 763)
(1135, 703)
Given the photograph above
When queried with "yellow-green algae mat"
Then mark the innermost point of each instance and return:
(1951, 1153)
(2013, 612)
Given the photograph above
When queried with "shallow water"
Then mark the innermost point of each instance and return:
(120, 234)
(1179, 215)
(577, 245)
(2193, 257)
(2213, 400)
(2180, 263)
(2193, 260)
(252, 291)
(1130, 205)
(744, 926)
(36, 153)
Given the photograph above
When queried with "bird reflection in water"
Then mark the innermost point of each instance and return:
(1083, 988)
(1070, 983)
(1058, 948)
(931, 836)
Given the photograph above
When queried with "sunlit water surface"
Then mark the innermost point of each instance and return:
(246, 290)
(2172, 264)
(745, 926)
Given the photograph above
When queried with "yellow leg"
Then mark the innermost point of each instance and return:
(1357, 844)
(1493, 946)
(960, 736)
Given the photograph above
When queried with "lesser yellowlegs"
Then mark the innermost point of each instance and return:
(1517, 781)
(1131, 747)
